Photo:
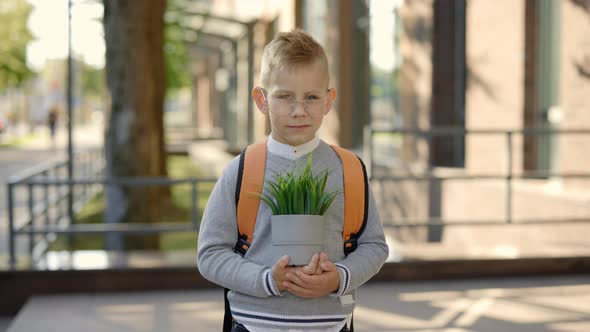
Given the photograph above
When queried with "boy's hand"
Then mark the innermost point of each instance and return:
(306, 285)
(279, 271)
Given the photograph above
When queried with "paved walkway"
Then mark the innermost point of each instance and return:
(557, 304)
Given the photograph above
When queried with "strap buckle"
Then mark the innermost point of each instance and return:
(242, 245)
(350, 245)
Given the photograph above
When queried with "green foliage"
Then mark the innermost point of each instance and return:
(93, 81)
(15, 36)
(384, 83)
(176, 59)
(19, 141)
(298, 191)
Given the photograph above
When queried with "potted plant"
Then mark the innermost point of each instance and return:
(298, 200)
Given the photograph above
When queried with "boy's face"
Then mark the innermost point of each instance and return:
(296, 102)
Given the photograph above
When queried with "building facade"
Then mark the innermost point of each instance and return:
(497, 73)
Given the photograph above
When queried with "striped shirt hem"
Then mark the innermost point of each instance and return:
(268, 287)
(265, 319)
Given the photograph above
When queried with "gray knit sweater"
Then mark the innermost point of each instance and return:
(254, 298)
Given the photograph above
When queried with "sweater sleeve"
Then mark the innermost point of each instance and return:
(363, 263)
(216, 259)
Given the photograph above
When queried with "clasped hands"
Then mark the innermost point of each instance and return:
(316, 279)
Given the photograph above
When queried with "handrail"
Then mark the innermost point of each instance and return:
(128, 228)
(508, 176)
(491, 131)
(126, 181)
(29, 228)
(44, 167)
(524, 175)
(88, 162)
(35, 171)
(438, 222)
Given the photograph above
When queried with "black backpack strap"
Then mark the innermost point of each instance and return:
(240, 175)
(227, 318)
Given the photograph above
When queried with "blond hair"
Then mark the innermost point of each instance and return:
(289, 50)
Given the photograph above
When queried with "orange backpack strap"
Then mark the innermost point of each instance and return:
(250, 180)
(356, 200)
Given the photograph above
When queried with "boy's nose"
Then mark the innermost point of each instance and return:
(298, 108)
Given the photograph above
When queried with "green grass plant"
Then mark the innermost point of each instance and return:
(299, 191)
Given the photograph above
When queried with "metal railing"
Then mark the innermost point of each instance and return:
(27, 203)
(44, 178)
(509, 175)
(64, 225)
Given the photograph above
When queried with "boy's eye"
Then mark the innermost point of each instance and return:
(312, 97)
(284, 97)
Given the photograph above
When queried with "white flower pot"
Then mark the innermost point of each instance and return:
(299, 236)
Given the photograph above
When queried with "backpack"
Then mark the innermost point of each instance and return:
(250, 179)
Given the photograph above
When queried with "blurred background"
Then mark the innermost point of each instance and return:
(472, 116)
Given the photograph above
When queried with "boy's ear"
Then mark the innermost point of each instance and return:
(260, 100)
(330, 100)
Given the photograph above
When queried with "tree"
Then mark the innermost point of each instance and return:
(134, 142)
(15, 36)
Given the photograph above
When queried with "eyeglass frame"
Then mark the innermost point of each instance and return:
(292, 101)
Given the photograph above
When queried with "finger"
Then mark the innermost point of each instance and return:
(306, 280)
(328, 266)
(323, 257)
(284, 261)
(280, 265)
(297, 290)
(312, 266)
(294, 278)
(318, 270)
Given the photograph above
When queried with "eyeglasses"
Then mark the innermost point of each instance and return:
(287, 102)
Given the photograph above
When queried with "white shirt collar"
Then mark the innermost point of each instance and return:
(292, 152)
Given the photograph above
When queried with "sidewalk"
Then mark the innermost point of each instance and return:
(557, 304)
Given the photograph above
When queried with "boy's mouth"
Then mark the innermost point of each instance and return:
(298, 127)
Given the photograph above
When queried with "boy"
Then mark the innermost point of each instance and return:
(266, 294)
